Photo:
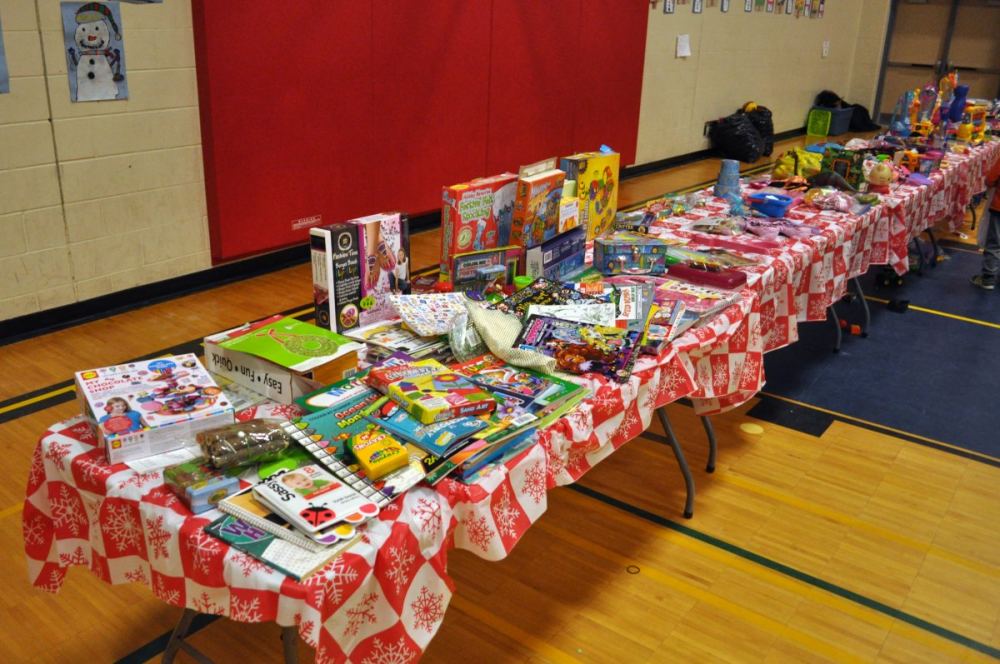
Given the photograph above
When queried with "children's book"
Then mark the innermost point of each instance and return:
(441, 396)
(579, 348)
(541, 291)
(347, 388)
(664, 324)
(324, 436)
(439, 467)
(593, 313)
(392, 336)
(286, 557)
(437, 439)
(312, 499)
(536, 204)
(245, 506)
(537, 393)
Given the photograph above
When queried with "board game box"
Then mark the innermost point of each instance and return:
(355, 265)
(537, 203)
(441, 396)
(596, 176)
(476, 216)
(559, 257)
(467, 267)
(149, 407)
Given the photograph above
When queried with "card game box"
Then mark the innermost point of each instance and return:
(441, 396)
(476, 216)
(356, 265)
(149, 407)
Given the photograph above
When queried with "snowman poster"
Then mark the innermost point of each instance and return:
(95, 51)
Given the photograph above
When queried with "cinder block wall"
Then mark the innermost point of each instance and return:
(97, 197)
(758, 56)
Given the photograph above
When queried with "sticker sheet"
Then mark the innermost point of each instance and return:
(429, 314)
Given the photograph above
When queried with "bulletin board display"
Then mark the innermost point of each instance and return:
(324, 111)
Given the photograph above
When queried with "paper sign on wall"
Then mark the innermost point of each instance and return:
(683, 46)
(95, 51)
(4, 76)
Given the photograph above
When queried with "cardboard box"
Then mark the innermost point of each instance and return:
(355, 265)
(466, 267)
(543, 260)
(537, 203)
(282, 358)
(630, 253)
(596, 175)
(476, 216)
(145, 408)
(199, 485)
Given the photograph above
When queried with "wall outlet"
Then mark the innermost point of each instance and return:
(826, 48)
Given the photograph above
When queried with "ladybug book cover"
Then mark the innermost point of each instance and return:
(579, 348)
(312, 499)
(441, 396)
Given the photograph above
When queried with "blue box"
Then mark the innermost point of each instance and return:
(539, 260)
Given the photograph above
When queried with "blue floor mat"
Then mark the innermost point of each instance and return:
(921, 373)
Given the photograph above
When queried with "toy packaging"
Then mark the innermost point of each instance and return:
(377, 452)
(476, 216)
(356, 265)
(596, 175)
(199, 485)
(379, 378)
(282, 357)
(625, 252)
(145, 408)
(312, 499)
(536, 205)
(845, 163)
(441, 396)
(468, 268)
(558, 258)
(438, 439)
(569, 214)
(579, 348)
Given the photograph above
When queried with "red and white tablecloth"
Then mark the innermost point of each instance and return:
(385, 598)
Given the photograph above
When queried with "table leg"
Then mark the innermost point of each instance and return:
(710, 432)
(289, 641)
(177, 642)
(661, 412)
(864, 306)
(934, 246)
(836, 326)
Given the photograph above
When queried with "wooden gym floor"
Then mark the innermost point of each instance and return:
(850, 546)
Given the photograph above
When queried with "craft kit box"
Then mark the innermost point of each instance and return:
(199, 485)
(476, 216)
(558, 257)
(596, 176)
(355, 265)
(149, 407)
(630, 253)
(537, 203)
(281, 358)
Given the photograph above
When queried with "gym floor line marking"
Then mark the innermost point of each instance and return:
(853, 522)
(944, 314)
(791, 572)
(884, 429)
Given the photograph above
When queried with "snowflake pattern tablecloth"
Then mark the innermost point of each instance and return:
(384, 599)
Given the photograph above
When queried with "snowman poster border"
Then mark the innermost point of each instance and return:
(4, 72)
(113, 52)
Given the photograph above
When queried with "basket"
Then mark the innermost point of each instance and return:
(840, 120)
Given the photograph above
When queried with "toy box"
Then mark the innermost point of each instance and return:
(199, 485)
(466, 267)
(282, 358)
(441, 396)
(557, 257)
(596, 175)
(630, 253)
(569, 214)
(355, 265)
(536, 204)
(150, 407)
(476, 216)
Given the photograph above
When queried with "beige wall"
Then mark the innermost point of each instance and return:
(101, 196)
(736, 57)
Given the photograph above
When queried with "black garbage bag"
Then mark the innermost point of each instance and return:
(736, 137)
(761, 118)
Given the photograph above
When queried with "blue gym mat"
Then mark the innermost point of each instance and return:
(921, 373)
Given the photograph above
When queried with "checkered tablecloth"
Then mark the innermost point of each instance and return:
(385, 598)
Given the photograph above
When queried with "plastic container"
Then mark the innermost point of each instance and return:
(773, 205)
(840, 120)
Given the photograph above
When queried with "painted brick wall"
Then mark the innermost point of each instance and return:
(101, 196)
